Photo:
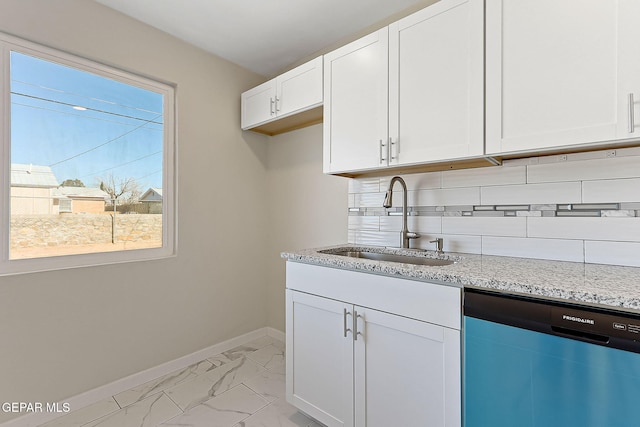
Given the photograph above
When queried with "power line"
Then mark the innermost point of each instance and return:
(101, 145)
(77, 115)
(122, 164)
(88, 108)
(84, 96)
(149, 174)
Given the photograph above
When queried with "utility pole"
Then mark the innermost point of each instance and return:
(113, 221)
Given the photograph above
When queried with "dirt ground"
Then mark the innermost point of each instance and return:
(39, 252)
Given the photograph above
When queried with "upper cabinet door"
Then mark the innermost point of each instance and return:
(295, 91)
(258, 104)
(629, 68)
(436, 83)
(559, 72)
(300, 88)
(355, 105)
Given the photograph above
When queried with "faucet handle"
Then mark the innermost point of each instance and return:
(439, 244)
(413, 235)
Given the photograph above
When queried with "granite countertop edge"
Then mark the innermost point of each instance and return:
(608, 286)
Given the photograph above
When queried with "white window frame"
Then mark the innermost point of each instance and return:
(10, 43)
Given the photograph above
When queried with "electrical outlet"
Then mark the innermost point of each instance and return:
(562, 158)
(611, 153)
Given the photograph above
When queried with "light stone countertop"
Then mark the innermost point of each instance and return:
(592, 284)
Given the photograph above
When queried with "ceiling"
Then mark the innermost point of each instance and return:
(264, 36)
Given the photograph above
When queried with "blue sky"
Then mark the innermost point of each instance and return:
(119, 133)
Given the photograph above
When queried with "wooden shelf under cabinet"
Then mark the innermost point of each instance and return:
(289, 123)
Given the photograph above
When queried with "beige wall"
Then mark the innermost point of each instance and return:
(30, 201)
(64, 332)
(306, 208)
(88, 206)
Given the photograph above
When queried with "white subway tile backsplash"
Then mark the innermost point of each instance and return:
(573, 207)
(616, 253)
(378, 238)
(427, 224)
(374, 200)
(452, 243)
(564, 192)
(391, 223)
(364, 185)
(420, 224)
(359, 222)
(554, 249)
(608, 168)
(619, 213)
(611, 190)
(484, 177)
(486, 226)
(416, 181)
(442, 197)
(462, 244)
(602, 228)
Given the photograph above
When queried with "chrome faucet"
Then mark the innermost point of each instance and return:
(439, 245)
(405, 234)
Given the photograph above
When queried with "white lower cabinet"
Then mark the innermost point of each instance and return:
(319, 359)
(368, 365)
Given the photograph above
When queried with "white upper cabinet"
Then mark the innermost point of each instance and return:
(299, 89)
(292, 92)
(258, 104)
(408, 94)
(355, 105)
(560, 73)
(436, 83)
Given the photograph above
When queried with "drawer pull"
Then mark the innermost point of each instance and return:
(345, 313)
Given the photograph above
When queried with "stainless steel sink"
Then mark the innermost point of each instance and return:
(407, 259)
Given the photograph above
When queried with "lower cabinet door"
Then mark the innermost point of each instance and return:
(320, 358)
(407, 372)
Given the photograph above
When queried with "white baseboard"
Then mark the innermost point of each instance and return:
(87, 398)
(275, 333)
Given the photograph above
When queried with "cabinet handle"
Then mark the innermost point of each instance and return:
(356, 316)
(382, 159)
(272, 103)
(632, 126)
(391, 144)
(345, 313)
(277, 100)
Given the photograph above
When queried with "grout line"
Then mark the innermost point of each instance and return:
(117, 403)
(173, 401)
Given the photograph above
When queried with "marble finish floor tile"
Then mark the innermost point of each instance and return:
(85, 415)
(224, 410)
(149, 412)
(218, 360)
(271, 357)
(278, 414)
(160, 384)
(263, 342)
(190, 394)
(269, 385)
(242, 387)
(250, 347)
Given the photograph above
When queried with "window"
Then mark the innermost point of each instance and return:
(88, 155)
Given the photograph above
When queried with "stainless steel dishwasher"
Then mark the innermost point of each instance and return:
(537, 363)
